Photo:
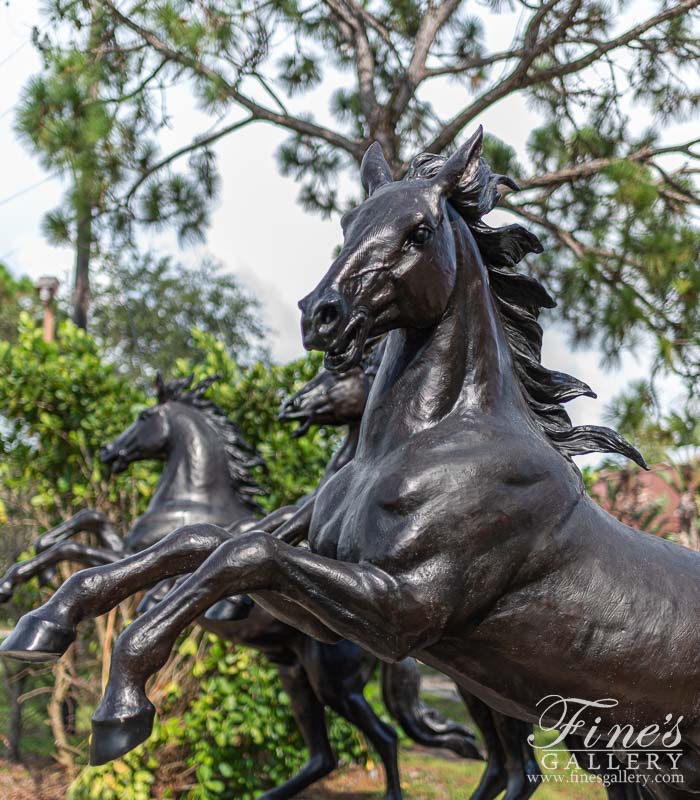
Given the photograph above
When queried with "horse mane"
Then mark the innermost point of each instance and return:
(241, 457)
(519, 298)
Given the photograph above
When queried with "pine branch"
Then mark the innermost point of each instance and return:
(520, 77)
(196, 144)
(364, 60)
(257, 111)
(372, 21)
(467, 64)
(430, 26)
(580, 250)
(142, 86)
(589, 168)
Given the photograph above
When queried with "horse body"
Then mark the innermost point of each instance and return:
(470, 506)
(621, 632)
(195, 484)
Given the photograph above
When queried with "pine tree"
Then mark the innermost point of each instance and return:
(613, 204)
(85, 121)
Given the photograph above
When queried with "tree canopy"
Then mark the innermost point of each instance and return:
(86, 122)
(613, 201)
(146, 308)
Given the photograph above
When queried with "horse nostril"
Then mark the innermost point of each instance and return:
(328, 314)
(324, 318)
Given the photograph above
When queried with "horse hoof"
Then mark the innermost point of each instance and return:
(5, 592)
(37, 639)
(471, 750)
(230, 609)
(113, 738)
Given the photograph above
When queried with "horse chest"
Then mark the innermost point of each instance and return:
(153, 525)
(360, 514)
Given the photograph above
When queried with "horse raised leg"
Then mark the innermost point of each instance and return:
(86, 521)
(49, 630)
(23, 571)
(368, 605)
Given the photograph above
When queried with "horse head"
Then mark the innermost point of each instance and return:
(397, 266)
(150, 435)
(333, 398)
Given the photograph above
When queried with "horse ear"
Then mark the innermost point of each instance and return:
(159, 386)
(200, 388)
(460, 167)
(374, 170)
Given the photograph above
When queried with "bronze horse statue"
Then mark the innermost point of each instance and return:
(336, 398)
(461, 531)
(206, 457)
(207, 473)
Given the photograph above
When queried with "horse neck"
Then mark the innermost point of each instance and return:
(460, 365)
(196, 467)
(346, 452)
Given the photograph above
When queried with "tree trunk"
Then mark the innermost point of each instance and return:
(81, 291)
(61, 691)
(15, 686)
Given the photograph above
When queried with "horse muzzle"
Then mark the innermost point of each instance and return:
(114, 458)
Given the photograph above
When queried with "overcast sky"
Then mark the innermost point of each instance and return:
(258, 231)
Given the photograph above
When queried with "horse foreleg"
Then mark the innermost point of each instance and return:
(291, 525)
(23, 571)
(88, 520)
(48, 631)
(356, 601)
(524, 776)
(310, 717)
(269, 523)
(157, 593)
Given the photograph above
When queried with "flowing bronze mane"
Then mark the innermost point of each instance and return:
(519, 299)
(241, 457)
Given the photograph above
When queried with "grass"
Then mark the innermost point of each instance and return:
(426, 776)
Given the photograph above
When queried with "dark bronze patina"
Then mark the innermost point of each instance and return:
(334, 398)
(461, 531)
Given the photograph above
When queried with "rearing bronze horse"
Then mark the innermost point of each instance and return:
(461, 531)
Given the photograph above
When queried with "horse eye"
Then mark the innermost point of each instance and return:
(421, 235)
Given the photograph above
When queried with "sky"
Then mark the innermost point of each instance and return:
(258, 231)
